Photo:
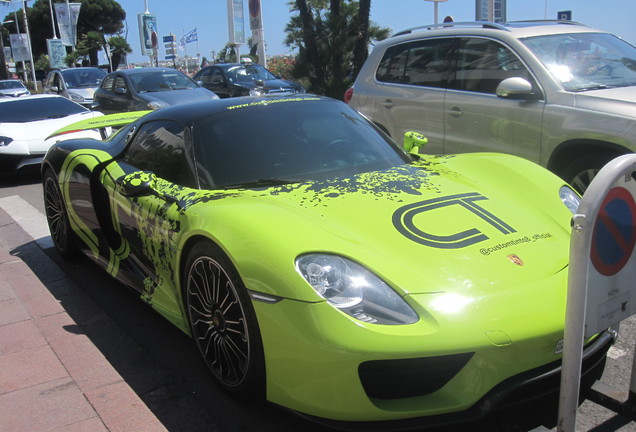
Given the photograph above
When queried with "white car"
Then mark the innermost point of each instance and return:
(26, 122)
(13, 88)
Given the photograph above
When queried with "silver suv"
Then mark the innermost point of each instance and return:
(556, 92)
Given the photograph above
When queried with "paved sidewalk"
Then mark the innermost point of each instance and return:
(52, 378)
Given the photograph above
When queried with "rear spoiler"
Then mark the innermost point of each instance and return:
(110, 120)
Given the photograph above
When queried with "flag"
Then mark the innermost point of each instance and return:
(191, 36)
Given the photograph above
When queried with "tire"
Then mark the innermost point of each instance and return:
(580, 173)
(57, 218)
(223, 322)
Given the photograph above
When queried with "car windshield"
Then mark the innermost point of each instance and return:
(586, 61)
(288, 141)
(7, 85)
(249, 73)
(79, 78)
(22, 110)
(161, 81)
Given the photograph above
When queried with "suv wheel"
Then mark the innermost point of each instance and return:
(582, 171)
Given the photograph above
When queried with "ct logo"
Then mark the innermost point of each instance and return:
(403, 222)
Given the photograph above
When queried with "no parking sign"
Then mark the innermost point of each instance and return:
(601, 273)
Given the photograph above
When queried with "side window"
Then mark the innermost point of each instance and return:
(481, 64)
(160, 147)
(420, 63)
(108, 82)
(120, 82)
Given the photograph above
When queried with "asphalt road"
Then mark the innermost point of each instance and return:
(161, 364)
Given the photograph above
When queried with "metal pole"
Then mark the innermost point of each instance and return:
(26, 29)
(52, 19)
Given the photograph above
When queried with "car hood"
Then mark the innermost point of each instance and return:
(272, 86)
(176, 97)
(620, 101)
(13, 92)
(85, 92)
(462, 223)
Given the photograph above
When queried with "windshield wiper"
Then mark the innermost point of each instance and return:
(261, 183)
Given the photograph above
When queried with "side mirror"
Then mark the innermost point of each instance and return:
(143, 183)
(413, 141)
(516, 88)
(137, 184)
(55, 89)
(120, 91)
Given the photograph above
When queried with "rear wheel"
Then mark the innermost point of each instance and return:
(57, 218)
(223, 322)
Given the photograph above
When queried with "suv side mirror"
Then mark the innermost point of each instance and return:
(516, 88)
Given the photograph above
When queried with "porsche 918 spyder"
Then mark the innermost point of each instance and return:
(319, 265)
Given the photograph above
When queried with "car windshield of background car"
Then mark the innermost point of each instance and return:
(158, 82)
(586, 61)
(28, 110)
(249, 74)
(295, 141)
(83, 78)
(5, 85)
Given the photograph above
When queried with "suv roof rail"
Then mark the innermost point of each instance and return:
(484, 24)
(547, 21)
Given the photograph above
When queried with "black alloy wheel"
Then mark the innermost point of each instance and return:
(223, 322)
(57, 218)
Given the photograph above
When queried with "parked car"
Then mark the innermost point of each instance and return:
(147, 88)
(233, 79)
(558, 93)
(77, 84)
(319, 265)
(26, 122)
(13, 88)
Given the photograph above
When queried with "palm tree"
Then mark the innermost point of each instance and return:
(118, 49)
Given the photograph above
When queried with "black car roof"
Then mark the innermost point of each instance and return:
(192, 111)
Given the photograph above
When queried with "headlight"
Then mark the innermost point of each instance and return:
(155, 105)
(354, 290)
(570, 198)
(75, 97)
(5, 141)
(256, 92)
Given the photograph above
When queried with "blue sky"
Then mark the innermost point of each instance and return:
(209, 17)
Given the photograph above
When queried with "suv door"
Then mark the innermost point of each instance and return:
(475, 118)
(409, 96)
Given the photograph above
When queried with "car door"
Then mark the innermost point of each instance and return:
(144, 214)
(475, 119)
(410, 92)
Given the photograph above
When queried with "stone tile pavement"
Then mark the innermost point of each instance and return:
(52, 378)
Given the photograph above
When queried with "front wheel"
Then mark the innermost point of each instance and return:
(223, 322)
(582, 171)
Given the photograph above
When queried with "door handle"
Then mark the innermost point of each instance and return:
(387, 103)
(455, 112)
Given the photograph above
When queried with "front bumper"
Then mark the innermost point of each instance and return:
(315, 359)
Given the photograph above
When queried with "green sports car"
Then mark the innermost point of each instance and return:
(317, 264)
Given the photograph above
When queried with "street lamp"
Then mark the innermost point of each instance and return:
(435, 2)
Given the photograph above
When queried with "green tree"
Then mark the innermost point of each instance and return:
(332, 39)
(105, 17)
(89, 45)
(118, 49)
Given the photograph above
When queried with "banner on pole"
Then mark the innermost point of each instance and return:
(19, 47)
(67, 14)
(57, 53)
(148, 33)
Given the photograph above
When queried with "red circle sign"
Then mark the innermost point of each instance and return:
(614, 234)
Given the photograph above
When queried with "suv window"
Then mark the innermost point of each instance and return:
(421, 63)
(481, 64)
(108, 82)
(160, 147)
